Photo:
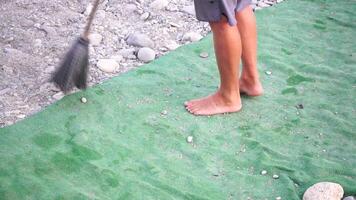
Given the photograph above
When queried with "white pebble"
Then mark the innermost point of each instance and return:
(263, 172)
(83, 100)
(159, 4)
(192, 36)
(146, 54)
(107, 65)
(268, 72)
(278, 198)
(275, 176)
(204, 55)
(190, 139)
(95, 39)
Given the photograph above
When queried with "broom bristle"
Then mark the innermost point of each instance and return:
(74, 68)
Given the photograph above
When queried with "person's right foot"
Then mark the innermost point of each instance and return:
(250, 88)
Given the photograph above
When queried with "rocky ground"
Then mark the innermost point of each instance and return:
(126, 34)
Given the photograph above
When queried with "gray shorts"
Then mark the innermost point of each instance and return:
(212, 10)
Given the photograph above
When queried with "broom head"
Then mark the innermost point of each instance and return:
(73, 70)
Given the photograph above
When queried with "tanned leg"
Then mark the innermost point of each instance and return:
(227, 46)
(249, 80)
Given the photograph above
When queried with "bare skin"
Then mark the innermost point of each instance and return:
(249, 80)
(227, 99)
(229, 48)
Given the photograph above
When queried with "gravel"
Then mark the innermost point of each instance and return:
(35, 35)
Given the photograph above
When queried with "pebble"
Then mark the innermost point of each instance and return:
(171, 45)
(324, 191)
(263, 4)
(190, 139)
(146, 54)
(128, 53)
(58, 95)
(275, 176)
(145, 16)
(107, 65)
(300, 106)
(159, 4)
(349, 198)
(95, 39)
(268, 72)
(204, 54)
(192, 36)
(38, 42)
(263, 172)
(139, 40)
(189, 10)
(88, 9)
(22, 116)
(83, 100)
(117, 58)
(164, 112)
(278, 198)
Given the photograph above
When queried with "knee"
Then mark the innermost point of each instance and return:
(222, 25)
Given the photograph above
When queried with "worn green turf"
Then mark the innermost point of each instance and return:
(119, 146)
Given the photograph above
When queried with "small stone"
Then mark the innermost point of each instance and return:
(324, 191)
(58, 95)
(300, 106)
(349, 198)
(268, 72)
(190, 139)
(38, 42)
(275, 176)
(192, 36)
(83, 100)
(117, 58)
(128, 53)
(189, 10)
(107, 65)
(171, 45)
(263, 172)
(88, 9)
(145, 16)
(204, 54)
(146, 54)
(165, 112)
(262, 4)
(95, 39)
(22, 116)
(159, 4)
(139, 40)
(278, 198)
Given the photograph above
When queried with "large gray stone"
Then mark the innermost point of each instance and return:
(139, 40)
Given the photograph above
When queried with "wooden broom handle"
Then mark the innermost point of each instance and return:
(90, 19)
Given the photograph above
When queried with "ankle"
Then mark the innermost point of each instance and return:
(248, 78)
(229, 96)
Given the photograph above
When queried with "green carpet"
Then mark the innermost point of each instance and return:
(129, 140)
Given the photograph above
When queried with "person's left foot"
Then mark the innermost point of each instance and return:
(214, 104)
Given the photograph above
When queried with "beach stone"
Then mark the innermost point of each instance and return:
(263, 4)
(146, 54)
(58, 95)
(278, 198)
(263, 172)
(107, 65)
(159, 4)
(268, 72)
(171, 45)
(128, 53)
(139, 40)
(204, 54)
(145, 16)
(192, 36)
(349, 198)
(83, 100)
(324, 191)
(275, 176)
(190, 139)
(189, 10)
(95, 39)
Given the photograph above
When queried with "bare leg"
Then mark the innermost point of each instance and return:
(249, 80)
(227, 46)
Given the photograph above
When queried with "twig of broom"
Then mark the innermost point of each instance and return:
(73, 70)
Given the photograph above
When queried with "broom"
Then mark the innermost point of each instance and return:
(73, 70)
